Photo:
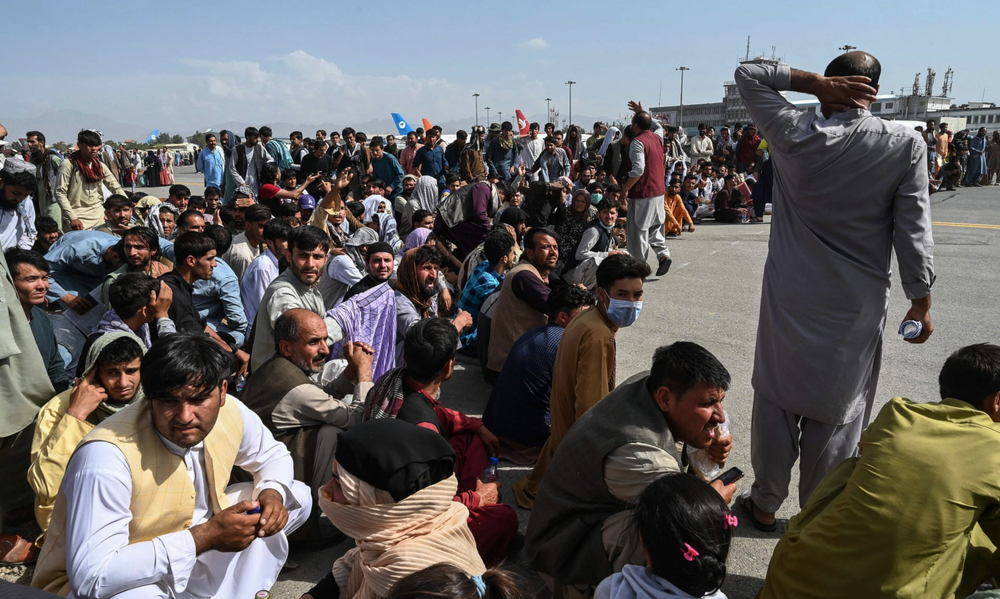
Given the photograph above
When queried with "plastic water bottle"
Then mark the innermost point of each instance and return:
(490, 475)
(241, 381)
(911, 329)
(699, 459)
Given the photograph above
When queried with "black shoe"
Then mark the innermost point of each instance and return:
(664, 267)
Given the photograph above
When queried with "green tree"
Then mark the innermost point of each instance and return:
(162, 138)
(176, 139)
(62, 146)
(198, 139)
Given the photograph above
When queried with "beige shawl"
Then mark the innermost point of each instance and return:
(398, 539)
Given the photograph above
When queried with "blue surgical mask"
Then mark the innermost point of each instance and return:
(595, 198)
(623, 313)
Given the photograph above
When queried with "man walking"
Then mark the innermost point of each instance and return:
(645, 189)
(826, 288)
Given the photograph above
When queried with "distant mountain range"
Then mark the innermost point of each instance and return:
(63, 125)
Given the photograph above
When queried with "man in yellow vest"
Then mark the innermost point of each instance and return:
(144, 510)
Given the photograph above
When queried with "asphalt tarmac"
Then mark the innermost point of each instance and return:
(711, 296)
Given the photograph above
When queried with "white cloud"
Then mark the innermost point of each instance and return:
(537, 43)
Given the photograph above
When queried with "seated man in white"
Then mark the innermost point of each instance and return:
(144, 511)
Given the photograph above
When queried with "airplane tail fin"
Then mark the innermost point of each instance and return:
(522, 123)
(401, 125)
(427, 125)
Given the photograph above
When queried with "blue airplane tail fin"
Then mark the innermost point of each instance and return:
(401, 125)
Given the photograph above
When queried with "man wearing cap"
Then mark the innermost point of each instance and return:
(503, 153)
(17, 217)
(491, 134)
(385, 166)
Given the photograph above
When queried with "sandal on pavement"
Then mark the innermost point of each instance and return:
(747, 504)
(17, 551)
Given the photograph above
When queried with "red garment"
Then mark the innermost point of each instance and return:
(493, 526)
(748, 149)
(651, 183)
(93, 172)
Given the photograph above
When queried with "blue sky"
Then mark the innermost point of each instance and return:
(182, 65)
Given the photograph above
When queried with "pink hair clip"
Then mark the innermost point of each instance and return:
(690, 553)
(731, 521)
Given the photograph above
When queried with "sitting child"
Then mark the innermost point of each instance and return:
(685, 528)
(445, 581)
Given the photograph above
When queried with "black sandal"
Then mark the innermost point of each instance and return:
(747, 505)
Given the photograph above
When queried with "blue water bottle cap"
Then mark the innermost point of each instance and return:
(255, 510)
(494, 461)
(910, 329)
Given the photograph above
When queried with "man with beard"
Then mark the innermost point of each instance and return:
(408, 153)
(80, 180)
(400, 205)
(472, 167)
(47, 162)
(351, 154)
(194, 260)
(248, 160)
(190, 220)
(301, 413)
(379, 262)
(531, 148)
(212, 162)
(17, 217)
(391, 147)
(416, 293)
(109, 383)
(140, 250)
(502, 154)
(117, 216)
(266, 267)
(297, 287)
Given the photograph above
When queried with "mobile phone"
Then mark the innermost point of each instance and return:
(730, 476)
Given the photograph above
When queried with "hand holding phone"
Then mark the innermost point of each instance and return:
(730, 476)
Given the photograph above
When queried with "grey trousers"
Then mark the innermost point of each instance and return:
(778, 438)
(645, 228)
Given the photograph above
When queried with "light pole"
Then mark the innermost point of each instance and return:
(548, 109)
(476, 96)
(500, 117)
(487, 116)
(571, 84)
(847, 48)
(680, 119)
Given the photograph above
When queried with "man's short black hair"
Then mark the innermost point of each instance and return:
(37, 135)
(197, 202)
(427, 254)
(184, 360)
(250, 131)
(182, 220)
(550, 139)
(606, 204)
(16, 257)
(88, 137)
(276, 229)
(536, 232)
(220, 235)
(497, 245)
(120, 351)
(451, 178)
(209, 136)
(46, 224)
(855, 63)
(566, 298)
(419, 216)
(348, 131)
(971, 374)
(356, 208)
(265, 131)
(377, 142)
(618, 267)
(193, 244)
(179, 191)
(307, 238)
(130, 292)
(258, 213)
(682, 365)
(269, 173)
(214, 192)
(116, 201)
(428, 347)
(146, 235)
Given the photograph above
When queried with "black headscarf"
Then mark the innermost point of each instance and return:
(396, 456)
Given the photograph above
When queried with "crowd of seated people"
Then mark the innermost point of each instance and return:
(193, 386)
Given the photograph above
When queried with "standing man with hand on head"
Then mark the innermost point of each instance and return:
(645, 189)
(825, 294)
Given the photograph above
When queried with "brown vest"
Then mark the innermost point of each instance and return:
(513, 318)
(564, 538)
